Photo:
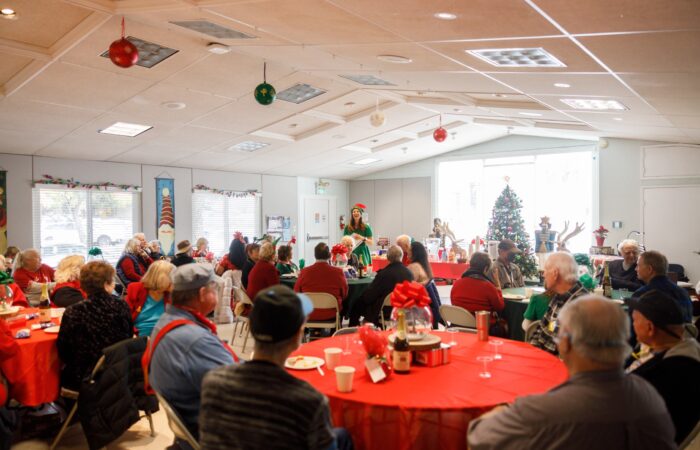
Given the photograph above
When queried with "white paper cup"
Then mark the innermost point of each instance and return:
(332, 357)
(343, 378)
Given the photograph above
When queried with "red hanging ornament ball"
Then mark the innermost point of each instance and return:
(123, 53)
(440, 134)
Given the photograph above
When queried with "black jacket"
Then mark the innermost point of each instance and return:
(247, 267)
(369, 304)
(65, 296)
(621, 278)
(182, 259)
(109, 406)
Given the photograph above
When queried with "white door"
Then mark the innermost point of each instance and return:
(316, 225)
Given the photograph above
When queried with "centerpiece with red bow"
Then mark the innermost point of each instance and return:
(412, 297)
(339, 255)
(376, 345)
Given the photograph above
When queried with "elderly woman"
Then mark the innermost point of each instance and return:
(11, 292)
(67, 290)
(89, 326)
(30, 275)
(147, 298)
(476, 291)
(133, 263)
(154, 250)
(264, 273)
(285, 265)
(422, 273)
(623, 272)
(348, 242)
(201, 248)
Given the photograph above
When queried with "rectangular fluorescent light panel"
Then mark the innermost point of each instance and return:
(367, 80)
(212, 29)
(594, 104)
(299, 93)
(150, 54)
(125, 129)
(517, 57)
(364, 162)
(249, 146)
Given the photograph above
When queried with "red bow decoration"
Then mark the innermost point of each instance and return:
(374, 342)
(481, 241)
(339, 249)
(409, 294)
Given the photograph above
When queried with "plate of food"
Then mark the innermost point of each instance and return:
(9, 311)
(513, 296)
(52, 330)
(288, 275)
(303, 362)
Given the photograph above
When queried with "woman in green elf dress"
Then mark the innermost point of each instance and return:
(362, 234)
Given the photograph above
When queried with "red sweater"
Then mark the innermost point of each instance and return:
(322, 277)
(476, 295)
(136, 294)
(263, 275)
(22, 276)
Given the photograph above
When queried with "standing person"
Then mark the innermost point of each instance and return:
(598, 407)
(423, 274)
(30, 275)
(361, 232)
(183, 255)
(147, 298)
(67, 290)
(132, 264)
(285, 265)
(252, 252)
(476, 291)
(505, 273)
(264, 274)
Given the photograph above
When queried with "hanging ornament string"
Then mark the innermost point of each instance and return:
(123, 28)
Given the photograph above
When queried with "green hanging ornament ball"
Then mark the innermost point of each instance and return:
(265, 93)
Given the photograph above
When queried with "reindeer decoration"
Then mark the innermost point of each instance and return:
(561, 238)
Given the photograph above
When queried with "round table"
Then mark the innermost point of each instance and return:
(356, 286)
(430, 407)
(34, 372)
(446, 270)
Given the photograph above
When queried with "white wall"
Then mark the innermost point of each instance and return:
(19, 199)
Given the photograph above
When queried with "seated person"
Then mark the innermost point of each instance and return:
(264, 274)
(183, 254)
(285, 265)
(349, 243)
(147, 298)
(475, 291)
(673, 366)
(598, 407)
(10, 255)
(30, 275)
(8, 348)
(154, 250)
(322, 277)
(652, 268)
(505, 273)
(423, 274)
(623, 272)
(89, 326)
(370, 302)
(252, 252)
(259, 405)
(67, 290)
(404, 243)
(235, 258)
(133, 262)
(11, 292)
(536, 308)
(186, 353)
(201, 248)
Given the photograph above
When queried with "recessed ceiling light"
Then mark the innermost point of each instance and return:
(364, 162)
(248, 146)
(530, 114)
(562, 85)
(367, 80)
(619, 119)
(349, 104)
(594, 104)
(394, 59)
(517, 57)
(218, 49)
(445, 16)
(125, 129)
(299, 93)
(8, 13)
(173, 105)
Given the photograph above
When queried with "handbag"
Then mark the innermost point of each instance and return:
(499, 326)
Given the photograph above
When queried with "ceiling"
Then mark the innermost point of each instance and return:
(57, 91)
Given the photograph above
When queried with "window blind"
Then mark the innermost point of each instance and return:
(216, 217)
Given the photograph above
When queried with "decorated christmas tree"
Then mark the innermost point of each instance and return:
(507, 223)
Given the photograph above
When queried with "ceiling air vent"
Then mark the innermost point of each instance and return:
(517, 57)
(299, 93)
(212, 29)
(367, 80)
(150, 54)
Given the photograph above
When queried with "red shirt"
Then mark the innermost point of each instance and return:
(322, 277)
(476, 295)
(263, 275)
(22, 276)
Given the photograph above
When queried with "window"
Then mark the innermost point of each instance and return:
(555, 185)
(71, 221)
(216, 217)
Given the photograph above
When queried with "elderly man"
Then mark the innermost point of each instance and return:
(560, 278)
(598, 407)
(673, 365)
(404, 242)
(181, 356)
(652, 267)
(260, 405)
(623, 272)
(31, 275)
(322, 277)
(370, 303)
(504, 272)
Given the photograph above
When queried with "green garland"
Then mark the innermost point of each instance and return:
(72, 183)
(227, 193)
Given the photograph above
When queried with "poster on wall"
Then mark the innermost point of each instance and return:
(3, 211)
(165, 214)
(280, 226)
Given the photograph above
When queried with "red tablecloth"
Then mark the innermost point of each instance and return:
(431, 407)
(446, 270)
(33, 373)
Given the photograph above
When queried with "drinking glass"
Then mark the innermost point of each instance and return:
(496, 343)
(452, 334)
(346, 350)
(485, 360)
(624, 293)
